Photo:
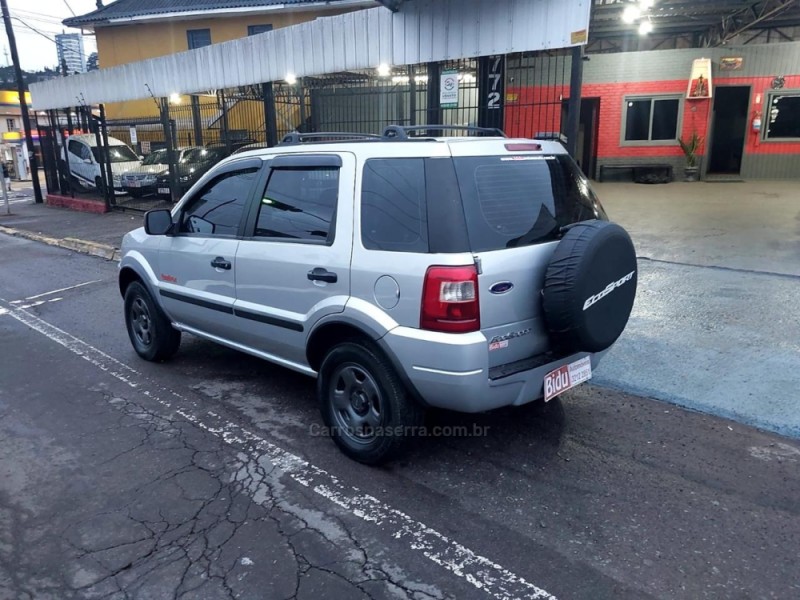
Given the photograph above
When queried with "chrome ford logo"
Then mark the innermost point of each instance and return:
(501, 287)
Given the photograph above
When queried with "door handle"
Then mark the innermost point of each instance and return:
(221, 263)
(321, 274)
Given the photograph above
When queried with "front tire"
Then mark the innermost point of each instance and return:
(149, 330)
(370, 414)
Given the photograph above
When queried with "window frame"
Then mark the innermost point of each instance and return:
(286, 162)
(189, 36)
(770, 95)
(211, 178)
(650, 142)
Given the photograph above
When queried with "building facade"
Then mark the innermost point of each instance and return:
(69, 47)
(636, 106)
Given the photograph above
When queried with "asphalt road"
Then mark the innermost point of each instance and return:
(205, 477)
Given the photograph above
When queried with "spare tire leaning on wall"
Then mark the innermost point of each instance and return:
(590, 286)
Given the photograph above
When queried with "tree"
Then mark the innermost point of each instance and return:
(92, 63)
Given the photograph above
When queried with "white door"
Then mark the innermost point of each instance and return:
(293, 265)
(197, 263)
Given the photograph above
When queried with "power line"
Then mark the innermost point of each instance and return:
(34, 29)
(69, 7)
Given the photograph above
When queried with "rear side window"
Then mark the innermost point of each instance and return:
(393, 205)
(299, 205)
(512, 201)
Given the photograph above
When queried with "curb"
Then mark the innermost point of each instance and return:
(77, 204)
(83, 246)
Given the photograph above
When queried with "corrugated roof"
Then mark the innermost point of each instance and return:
(126, 9)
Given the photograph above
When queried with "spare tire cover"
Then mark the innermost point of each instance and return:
(589, 287)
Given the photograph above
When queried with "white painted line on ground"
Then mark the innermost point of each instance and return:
(72, 287)
(481, 572)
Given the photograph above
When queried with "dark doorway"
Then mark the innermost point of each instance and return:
(728, 129)
(586, 148)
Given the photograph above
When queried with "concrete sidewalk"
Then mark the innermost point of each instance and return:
(96, 234)
(715, 324)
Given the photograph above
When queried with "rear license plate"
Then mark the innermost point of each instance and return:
(163, 191)
(567, 377)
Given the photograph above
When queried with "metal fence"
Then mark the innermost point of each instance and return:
(525, 94)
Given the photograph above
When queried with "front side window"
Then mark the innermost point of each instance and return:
(299, 205)
(783, 116)
(218, 208)
(117, 154)
(651, 119)
(394, 205)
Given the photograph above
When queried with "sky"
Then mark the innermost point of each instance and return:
(35, 50)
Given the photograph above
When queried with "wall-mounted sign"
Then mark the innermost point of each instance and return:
(700, 81)
(134, 137)
(448, 91)
(145, 147)
(731, 63)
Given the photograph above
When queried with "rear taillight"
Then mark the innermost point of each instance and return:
(450, 300)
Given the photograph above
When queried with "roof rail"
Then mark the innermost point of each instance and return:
(400, 132)
(295, 137)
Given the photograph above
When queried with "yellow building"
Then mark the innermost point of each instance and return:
(132, 30)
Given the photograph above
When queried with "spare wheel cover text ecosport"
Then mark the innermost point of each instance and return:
(589, 287)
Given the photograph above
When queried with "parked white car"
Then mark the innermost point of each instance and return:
(85, 162)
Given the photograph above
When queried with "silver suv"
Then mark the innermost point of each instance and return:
(403, 271)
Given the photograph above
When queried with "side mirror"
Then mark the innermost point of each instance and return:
(88, 161)
(141, 157)
(157, 222)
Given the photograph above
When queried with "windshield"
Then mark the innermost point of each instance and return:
(159, 157)
(512, 201)
(201, 155)
(117, 154)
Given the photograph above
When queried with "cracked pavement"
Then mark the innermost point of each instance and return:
(172, 480)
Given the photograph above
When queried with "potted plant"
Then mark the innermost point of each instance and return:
(690, 148)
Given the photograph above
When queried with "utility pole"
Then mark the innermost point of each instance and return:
(23, 106)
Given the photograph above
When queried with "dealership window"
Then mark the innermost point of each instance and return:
(256, 29)
(783, 116)
(651, 120)
(198, 38)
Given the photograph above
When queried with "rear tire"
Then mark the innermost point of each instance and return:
(370, 414)
(149, 330)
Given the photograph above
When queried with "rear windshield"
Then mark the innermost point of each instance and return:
(512, 201)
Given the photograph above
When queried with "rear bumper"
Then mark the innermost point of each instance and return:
(452, 371)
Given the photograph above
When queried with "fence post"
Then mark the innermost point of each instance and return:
(574, 114)
(103, 151)
(491, 90)
(301, 94)
(225, 132)
(270, 114)
(412, 98)
(197, 121)
(64, 142)
(435, 116)
(172, 159)
(111, 199)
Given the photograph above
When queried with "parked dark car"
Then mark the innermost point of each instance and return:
(143, 181)
(194, 163)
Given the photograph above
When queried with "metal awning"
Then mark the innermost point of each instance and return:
(422, 31)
